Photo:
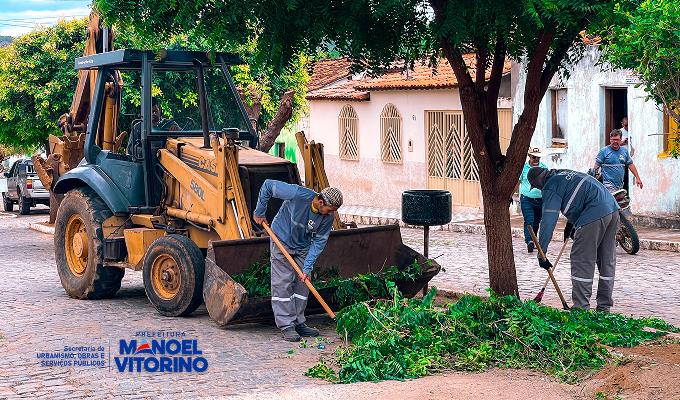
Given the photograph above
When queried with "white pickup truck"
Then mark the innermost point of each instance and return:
(24, 188)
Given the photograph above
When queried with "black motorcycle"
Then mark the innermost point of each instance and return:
(626, 236)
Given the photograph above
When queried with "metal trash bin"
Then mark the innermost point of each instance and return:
(426, 207)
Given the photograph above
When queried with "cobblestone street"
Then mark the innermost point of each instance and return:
(647, 284)
(252, 361)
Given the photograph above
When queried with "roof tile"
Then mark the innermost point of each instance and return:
(419, 78)
(328, 71)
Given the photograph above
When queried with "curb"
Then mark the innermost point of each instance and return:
(477, 229)
(659, 245)
(42, 227)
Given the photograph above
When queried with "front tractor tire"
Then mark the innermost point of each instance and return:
(79, 247)
(173, 275)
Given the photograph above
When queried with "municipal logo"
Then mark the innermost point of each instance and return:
(160, 355)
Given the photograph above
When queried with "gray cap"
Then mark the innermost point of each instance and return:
(537, 177)
(331, 196)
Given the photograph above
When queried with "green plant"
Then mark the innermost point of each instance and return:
(647, 44)
(256, 280)
(322, 371)
(477, 38)
(408, 338)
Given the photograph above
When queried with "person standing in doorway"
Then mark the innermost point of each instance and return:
(627, 143)
(626, 140)
(530, 198)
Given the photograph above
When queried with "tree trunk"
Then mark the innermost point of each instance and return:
(502, 275)
(252, 102)
(282, 116)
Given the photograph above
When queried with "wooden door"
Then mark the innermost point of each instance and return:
(450, 163)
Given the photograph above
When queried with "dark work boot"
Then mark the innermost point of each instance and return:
(306, 331)
(530, 247)
(290, 334)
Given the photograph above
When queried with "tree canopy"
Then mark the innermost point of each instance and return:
(648, 43)
(543, 34)
(38, 80)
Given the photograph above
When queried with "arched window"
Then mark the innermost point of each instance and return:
(390, 134)
(348, 128)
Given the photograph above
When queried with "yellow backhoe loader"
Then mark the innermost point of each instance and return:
(177, 202)
(66, 151)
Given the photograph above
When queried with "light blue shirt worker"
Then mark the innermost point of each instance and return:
(298, 227)
(524, 185)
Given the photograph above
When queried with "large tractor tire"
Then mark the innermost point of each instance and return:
(79, 247)
(7, 203)
(173, 275)
(24, 204)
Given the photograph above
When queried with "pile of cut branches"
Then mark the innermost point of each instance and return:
(409, 338)
(363, 287)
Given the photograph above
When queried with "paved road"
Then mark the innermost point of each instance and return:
(37, 316)
(647, 284)
(42, 318)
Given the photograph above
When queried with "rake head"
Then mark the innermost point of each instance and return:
(539, 296)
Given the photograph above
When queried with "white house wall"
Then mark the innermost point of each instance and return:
(369, 181)
(585, 136)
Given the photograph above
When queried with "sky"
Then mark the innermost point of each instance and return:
(20, 16)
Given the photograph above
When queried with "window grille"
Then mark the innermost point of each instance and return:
(390, 134)
(348, 128)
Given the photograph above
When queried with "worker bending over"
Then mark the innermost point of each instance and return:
(302, 224)
(592, 221)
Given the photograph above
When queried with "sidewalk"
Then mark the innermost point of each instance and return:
(664, 239)
(364, 215)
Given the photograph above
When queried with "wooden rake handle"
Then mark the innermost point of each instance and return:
(557, 261)
(550, 274)
(298, 270)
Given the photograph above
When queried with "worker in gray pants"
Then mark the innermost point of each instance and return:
(303, 225)
(289, 293)
(592, 221)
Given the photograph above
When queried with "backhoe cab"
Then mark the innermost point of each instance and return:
(176, 202)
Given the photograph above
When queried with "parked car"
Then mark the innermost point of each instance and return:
(24, 188)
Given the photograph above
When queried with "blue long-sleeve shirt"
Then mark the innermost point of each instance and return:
(298, 227)
(580, 198)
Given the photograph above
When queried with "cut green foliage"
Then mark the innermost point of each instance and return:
(257, 279)
(322, 371)
(409, 338)
(363, 287)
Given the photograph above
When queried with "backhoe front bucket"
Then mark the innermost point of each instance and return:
(349, 251)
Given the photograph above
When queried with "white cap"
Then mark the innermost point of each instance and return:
(536, 152)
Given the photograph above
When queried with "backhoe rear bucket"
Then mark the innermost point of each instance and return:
(349, 251)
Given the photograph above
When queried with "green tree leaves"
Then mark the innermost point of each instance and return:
(647, 43)
(37, 82)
